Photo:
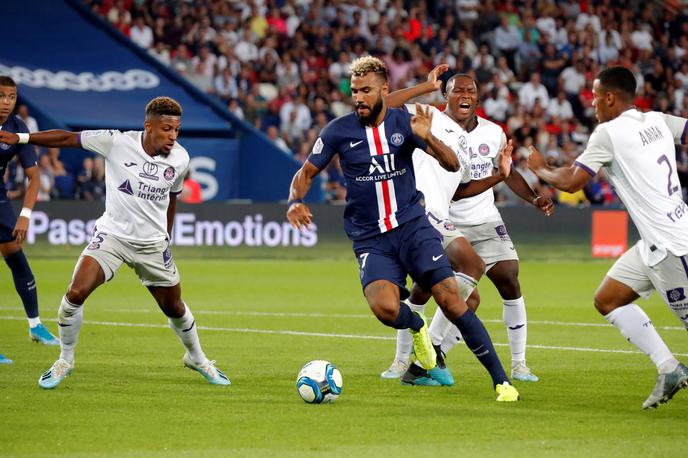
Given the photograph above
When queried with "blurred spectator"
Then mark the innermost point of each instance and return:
(496, 106)
(560, 107)
(30, 121)
(141, 34)
(507, 40)
(273, 135)
(191, 192)
(46, 178)
(533, 91)
(91, 180)
(572, 199)
(234, 108)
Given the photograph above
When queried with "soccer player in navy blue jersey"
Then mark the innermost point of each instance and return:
(13, 229)
(385, 218)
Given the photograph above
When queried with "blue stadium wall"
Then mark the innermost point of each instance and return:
(76, 72)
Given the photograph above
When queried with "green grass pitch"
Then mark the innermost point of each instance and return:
(129, 394)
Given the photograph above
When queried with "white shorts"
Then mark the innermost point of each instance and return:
(152, 262)
(669, 278)
(445, 227)
(491, 241)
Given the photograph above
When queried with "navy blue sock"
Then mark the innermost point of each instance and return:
(24, 282)
(407, 319)
(479, 342)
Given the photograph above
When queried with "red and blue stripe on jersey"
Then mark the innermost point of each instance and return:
(377, 165)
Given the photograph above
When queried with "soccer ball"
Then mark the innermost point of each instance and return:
(319, 382)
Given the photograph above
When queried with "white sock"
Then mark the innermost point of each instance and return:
(33, 322)
(185, 328)
(452, 338)
(637, 328)
(440, 326)
(514, 316)
(69, 318)
(404, 339)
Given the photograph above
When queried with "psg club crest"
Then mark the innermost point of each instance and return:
(448, 225)
(483, 149)
(168, 174)
(397, 139)
(676, 295)
(318, 147)
(4, 146)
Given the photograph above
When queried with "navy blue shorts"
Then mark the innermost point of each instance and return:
(7, 221)
(413, 248)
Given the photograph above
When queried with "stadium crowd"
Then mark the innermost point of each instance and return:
(282, 65)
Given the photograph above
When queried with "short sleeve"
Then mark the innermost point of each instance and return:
(678, 127)
(598, 152)
(98, 141)
(178, 184)
(26, 153)
(323, 151)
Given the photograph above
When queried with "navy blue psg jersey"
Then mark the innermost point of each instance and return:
(380, 182)
(26, 153)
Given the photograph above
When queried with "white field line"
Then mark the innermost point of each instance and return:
(324, 334)
(353, 316)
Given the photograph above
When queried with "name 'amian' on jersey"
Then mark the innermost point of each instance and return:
(649, 135)
(382, 170)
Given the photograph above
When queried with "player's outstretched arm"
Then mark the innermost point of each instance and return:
(298, 213)
(475, 187)
(420, 125)
(398, 98)
(568, 179)
(32, 174)
(522, 189)
(49, 138)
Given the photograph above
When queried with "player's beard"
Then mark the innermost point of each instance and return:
(374, 112)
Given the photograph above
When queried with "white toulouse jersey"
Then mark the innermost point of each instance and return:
(137, 185)
(483, 144)
(638, 155)
(437, 184)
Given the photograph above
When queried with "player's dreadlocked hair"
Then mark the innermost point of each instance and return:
(163, 106)
(6, 81)
(368, 64)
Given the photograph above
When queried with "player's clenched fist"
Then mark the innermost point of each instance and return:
(299, 215)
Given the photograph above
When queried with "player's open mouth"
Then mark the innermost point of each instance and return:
(465, 106)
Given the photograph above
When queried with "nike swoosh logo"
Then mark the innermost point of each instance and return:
(435, 258)
(130, 164)
(352, 144)
(449, 131)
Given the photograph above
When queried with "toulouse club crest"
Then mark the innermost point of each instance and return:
(483, 149)
(168, 174)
